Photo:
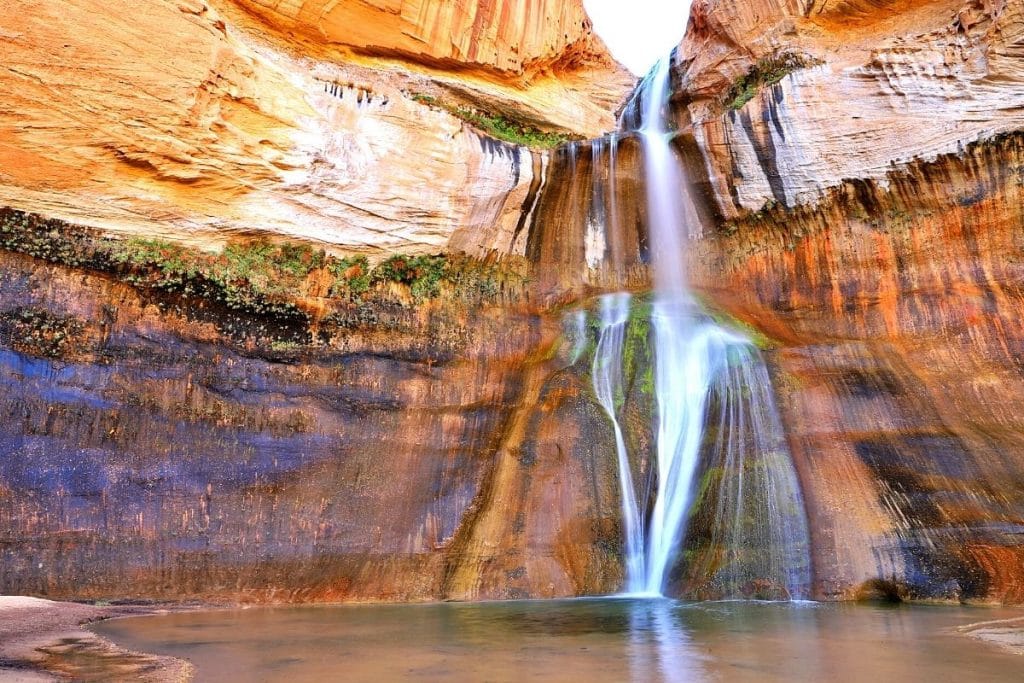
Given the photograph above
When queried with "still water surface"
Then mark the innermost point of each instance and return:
(577, 640)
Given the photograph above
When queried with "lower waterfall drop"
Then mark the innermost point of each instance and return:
(606, 375)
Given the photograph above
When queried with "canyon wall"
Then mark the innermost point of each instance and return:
(873, 227)
(897, 313)
(161, 446)
(866, 88)
(856, 169)
(194, 121)
(858, 178)
(164, 445)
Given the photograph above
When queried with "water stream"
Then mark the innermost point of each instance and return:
(718, 439)
(607, 379)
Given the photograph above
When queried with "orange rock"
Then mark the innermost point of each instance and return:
(190, 120)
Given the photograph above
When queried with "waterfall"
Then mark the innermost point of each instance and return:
(716, 421)
(758, 519)
(607, 379)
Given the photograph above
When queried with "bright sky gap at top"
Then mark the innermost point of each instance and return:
(639, 32)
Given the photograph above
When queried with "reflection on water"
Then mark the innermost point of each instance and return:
(576, 640)
(676, 657)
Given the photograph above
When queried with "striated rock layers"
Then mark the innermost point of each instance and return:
(858, 169)
(898, 313)
(882, 254)
(539, 58)
(867, 87)
(194, 121)
(165, 449)
(859, 174)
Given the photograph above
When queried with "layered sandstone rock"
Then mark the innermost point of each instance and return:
(537, 58)
(884, 84)
(877, 243)
(880, 252)
(864, 212)
(898, 312)
(169, 449)
(512, 37)
(176, 120)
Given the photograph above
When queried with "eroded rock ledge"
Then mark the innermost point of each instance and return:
(193, 120)
(167, 441)
(881, 85)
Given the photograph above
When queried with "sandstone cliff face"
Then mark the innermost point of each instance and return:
(881, 252)
(512, 37)
(155, 455)
(864, 212)
(538, 60)
(191, 120)
(883, 84)
(898, 313)
(850, 215)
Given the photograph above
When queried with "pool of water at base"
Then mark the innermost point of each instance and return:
(590, 640)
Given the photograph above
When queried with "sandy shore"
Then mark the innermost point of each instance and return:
(1005, 633)
(41, 640)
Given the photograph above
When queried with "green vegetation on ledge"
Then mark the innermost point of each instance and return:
(37, 332)
(498, 126)
(767, 71)
(756, 336)
(260, 276)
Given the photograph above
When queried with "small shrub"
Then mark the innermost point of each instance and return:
(351, 276)
(425, 99)
(767, 71)
(422, 274)
(300, 259)
(497, 126)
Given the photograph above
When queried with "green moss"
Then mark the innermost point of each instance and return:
(425, 99)
(502, 128)
(709, 478)
(498, 126)
(351, 276)
(422, 274)
(427, 277)
(637, 359)
(257, 276)
(767, 71)
(756, 336)
(37, 332)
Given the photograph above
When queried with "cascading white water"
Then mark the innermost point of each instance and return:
(758, 530)
(667, 220)
(689, 356)
(606, 375)
(758, 519)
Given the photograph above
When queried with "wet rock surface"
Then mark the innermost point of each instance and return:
(159, 458)
(887, 279)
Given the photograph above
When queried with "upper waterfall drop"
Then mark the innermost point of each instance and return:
(716, 421)
(668, 214)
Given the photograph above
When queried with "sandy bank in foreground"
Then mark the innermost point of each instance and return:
(41, 640)
(1005, 633)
